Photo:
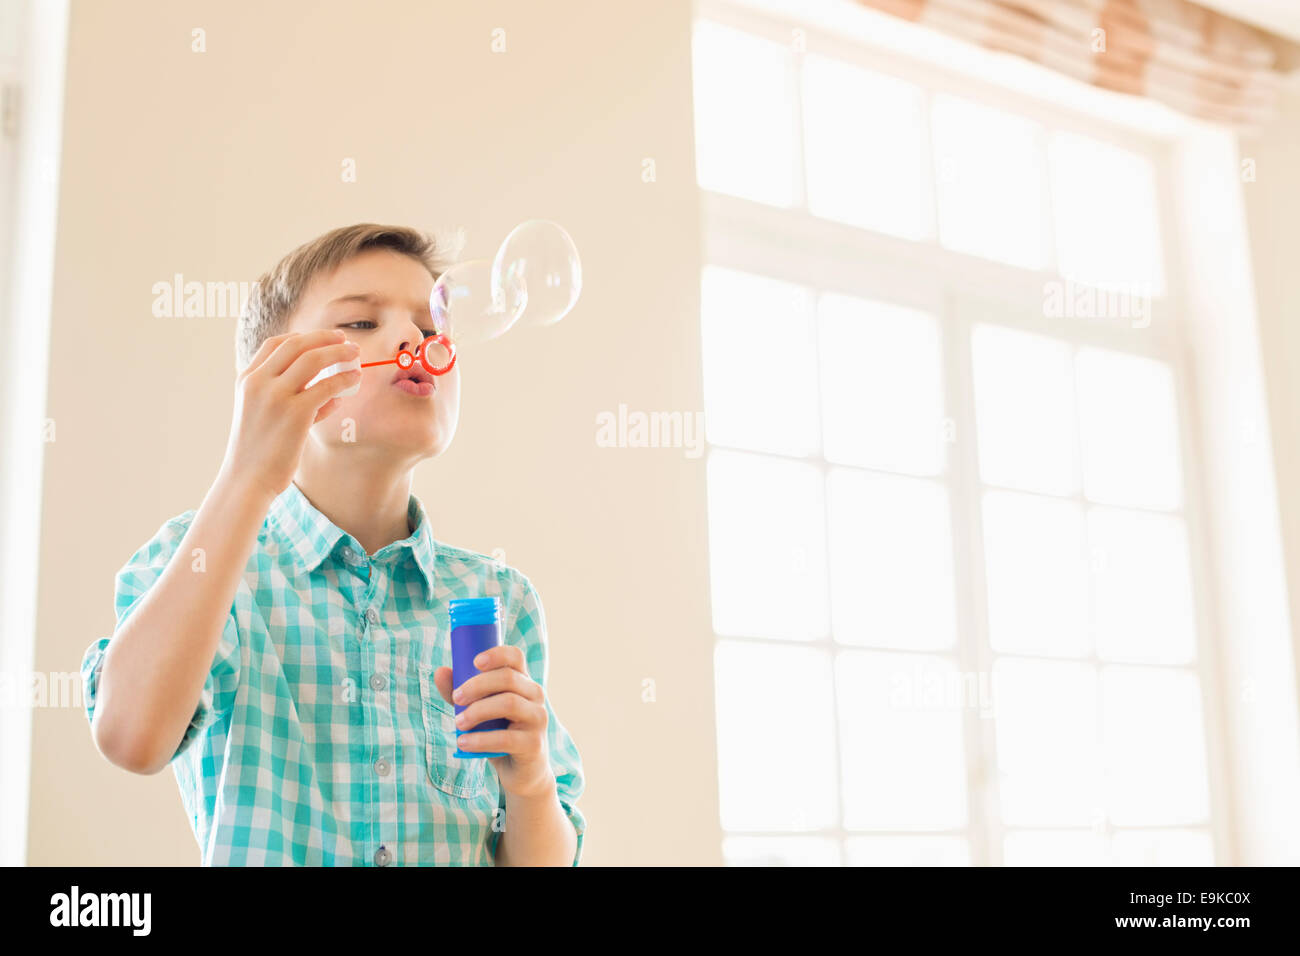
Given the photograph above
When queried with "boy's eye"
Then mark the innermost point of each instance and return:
(367, 323)
(428, 333)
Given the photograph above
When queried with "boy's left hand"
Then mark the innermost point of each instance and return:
(504, 689)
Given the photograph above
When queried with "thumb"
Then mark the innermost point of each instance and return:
(442, 678)
(326, 410)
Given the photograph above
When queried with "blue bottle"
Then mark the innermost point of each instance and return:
(475, 626)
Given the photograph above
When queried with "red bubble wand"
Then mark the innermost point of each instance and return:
(406, 359)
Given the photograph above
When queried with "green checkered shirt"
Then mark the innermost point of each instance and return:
(320, 738)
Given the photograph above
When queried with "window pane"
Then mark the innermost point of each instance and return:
(1129, 428)
(908, 851)
(989, 167)
(1162, 848)
(882, 385)
(767, 547)
(1037, 571)
(744, 115)
(760, 363)
(872, 170)
(1143, 587)
(780, 851)
(1107, 217)
(1054, 848)
(1155, 746)
(891, 561)
(901, 744)
(776, 763)
(1048, 759)
(1024, 410)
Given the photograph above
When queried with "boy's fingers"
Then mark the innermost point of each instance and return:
(501, 680)
(262, 352)
(502, 655)
(307, 365)
(498, 741)
(327, 389)
(298, 342)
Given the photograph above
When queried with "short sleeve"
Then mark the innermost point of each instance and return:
(133, 582)
(527, 629)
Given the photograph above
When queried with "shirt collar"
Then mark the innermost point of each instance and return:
(312, 537)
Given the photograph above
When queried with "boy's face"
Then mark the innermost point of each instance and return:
(380, 299)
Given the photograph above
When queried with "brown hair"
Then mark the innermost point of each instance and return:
(276, 293)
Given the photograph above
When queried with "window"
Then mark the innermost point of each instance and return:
(951, 536)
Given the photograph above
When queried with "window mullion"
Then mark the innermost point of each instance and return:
(974, 652)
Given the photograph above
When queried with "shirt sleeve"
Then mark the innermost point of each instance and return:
(133, 582)
(528, 631)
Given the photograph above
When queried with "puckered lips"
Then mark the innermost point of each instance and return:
(415, 380)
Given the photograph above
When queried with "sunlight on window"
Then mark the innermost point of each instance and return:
(882, 385)
(1106, 213)
(908, 851)
(863, 547)
(989, 170)
(744, 115)
(1129, 429)
(1037, 572)
(901, 743)
(1143, 587)
(780, 851)
(1162, 848)
(1024, 410)
(891, 561)
(1048, 757)
(760, 739)
(767, 547)
(760, 363)
(1054, 848)
(1154, 743)
(865, 152)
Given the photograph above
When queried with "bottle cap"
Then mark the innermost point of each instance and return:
(480, 610)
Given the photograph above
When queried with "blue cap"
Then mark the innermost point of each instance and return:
(480, 610)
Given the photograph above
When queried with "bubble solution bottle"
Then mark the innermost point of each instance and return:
(475, 627)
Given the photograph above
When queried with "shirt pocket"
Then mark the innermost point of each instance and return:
(459, 777)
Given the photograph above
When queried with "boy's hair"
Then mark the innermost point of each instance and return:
(276, 293)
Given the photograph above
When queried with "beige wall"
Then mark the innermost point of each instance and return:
(212, 165)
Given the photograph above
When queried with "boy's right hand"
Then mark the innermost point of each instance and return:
(273, 412)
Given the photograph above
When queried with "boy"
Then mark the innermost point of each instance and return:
(286, 647)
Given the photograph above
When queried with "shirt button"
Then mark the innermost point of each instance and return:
(349, 555)
(372, 616)
(377, 682)
(381, 767)
(382, 857)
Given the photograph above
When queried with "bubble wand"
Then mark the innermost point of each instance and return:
(406, 359)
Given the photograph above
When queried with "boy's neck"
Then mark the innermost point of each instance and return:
(369, 503)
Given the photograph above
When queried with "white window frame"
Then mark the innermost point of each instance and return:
(33, 56)
(792, 245)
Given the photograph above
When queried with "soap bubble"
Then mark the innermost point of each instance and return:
(468, 306)
(540, 256)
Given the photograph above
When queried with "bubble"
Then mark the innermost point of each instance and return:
(468, 306)
(539, 256)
